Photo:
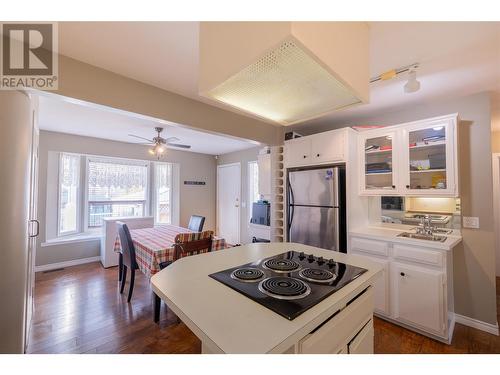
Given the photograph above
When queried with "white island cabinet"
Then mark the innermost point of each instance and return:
(416, 287)
(228, 322)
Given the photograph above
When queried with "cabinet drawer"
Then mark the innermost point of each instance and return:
(363, 342)
(418, 255)
(341, 328)
(370, 246)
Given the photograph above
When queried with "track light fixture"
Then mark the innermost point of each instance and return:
(411, 86)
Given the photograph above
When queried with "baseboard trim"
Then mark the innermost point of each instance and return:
(478, 324)
(69, 263)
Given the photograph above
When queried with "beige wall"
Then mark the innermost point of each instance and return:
(474, 259)
(193, 199)
(242, 157)
(15, 154)
(89, 83)
(495, 142)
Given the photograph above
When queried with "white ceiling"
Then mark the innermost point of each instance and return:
(457, 58)
(89, 120)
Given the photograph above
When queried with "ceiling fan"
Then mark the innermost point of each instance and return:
(159, 143)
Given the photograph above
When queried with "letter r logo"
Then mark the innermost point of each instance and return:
(27, 49)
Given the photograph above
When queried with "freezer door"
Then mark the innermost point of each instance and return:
(314, 226)
(314, 187)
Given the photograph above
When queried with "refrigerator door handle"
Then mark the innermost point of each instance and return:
(336, 190)
(291, 207)
(336, 234)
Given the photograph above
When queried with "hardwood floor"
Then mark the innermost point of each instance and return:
(79, 310)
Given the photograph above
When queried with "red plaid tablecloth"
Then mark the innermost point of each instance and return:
(155, 245)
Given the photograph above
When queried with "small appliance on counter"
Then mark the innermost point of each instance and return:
(289, 283)
(261, 213)
(292, 135)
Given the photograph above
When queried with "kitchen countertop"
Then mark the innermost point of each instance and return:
(227, 321)
(389, 232)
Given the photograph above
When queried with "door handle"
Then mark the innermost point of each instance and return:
(37, 228)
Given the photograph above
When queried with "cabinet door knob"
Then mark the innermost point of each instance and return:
(394, 186)
(317, 155)
(402, 274)
(407, 186)
(305, 156)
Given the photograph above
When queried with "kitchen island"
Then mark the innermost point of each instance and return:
(227, 321)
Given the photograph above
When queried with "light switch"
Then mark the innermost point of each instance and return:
(470, 222)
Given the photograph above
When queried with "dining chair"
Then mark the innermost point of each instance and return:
(186, 244)
(196, 223)
(128, 259)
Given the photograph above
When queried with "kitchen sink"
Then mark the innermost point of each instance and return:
(439, 230)
(427, 237)
(442, 231)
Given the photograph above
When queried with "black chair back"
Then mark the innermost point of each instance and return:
(196, 223)
(128, 249)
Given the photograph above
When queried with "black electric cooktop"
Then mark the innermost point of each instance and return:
(289, 283)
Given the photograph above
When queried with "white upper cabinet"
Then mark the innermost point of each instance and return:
(429, 158)
(321, 148)
(298, 151)
(328, 146)
(418, 158)
(378, 163)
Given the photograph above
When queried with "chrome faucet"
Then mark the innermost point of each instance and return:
(425, 226)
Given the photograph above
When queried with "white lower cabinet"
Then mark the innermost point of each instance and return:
(413, 289)
(419, 297)
(363, 342)
(339, 331)
(381, 286)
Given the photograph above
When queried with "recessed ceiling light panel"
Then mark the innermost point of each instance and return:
(286, 85)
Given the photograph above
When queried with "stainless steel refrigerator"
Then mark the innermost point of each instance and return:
(316, 212)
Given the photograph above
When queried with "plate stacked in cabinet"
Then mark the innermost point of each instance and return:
(277, 186)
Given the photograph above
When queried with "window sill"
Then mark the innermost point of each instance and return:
(82, 237)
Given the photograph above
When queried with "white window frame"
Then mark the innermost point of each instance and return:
(78, 204)
(154, 192)
(88, 159)
(53, 197)
(250, 190)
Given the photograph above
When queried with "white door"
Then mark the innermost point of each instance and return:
(229, 202)
(419, 297)
(33, 227)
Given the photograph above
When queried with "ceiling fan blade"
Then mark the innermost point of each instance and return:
(178, 145)
(172, 139)
(136, 136)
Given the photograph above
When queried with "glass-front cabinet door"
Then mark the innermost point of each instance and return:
(429, 166)
(379, 175)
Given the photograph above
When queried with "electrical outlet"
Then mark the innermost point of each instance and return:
(470, 222)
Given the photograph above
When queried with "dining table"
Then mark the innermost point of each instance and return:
(154, 246)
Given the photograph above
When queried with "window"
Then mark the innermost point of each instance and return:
(82, 190)
(115, 189)
(163, 193)
(69, 183)
(253, 185)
